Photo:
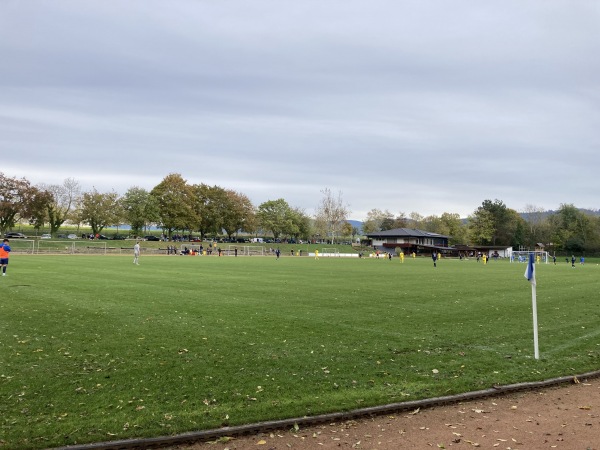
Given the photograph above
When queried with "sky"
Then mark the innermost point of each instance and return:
(407, 106)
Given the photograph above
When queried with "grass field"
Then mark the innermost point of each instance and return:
(93, 348)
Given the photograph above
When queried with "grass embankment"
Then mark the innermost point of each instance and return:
(95, 348)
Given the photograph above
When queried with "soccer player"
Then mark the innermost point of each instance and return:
(4, 251)
(136, 253)
(316, 254)
(401, 257)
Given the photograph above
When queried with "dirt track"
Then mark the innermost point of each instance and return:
(566, 417)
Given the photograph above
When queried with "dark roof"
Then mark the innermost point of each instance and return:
(405, 232)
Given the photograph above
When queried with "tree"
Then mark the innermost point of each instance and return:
(174, 198)
(275, 216)
(64, 198)
(238, 213)
(448, 224)
(572, 228)
(99, 210)
(347, 229)
(378, 220)
(332, 212)
(20, 200)
(388, 222)
(481, 227)
(453, 226)
(140, 209)
(534, 216)
(208, 205)
(415, 220)
(502, 222)
(355, 232)
(301, 223)
(38, 207)
(372, 224)
(433, 224)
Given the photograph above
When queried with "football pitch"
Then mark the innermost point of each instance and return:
(94, 348)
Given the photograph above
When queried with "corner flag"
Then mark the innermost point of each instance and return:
(530, 270)
(530, 275)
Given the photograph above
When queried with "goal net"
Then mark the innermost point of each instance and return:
(330, 252)
(52, 246)
(89, 247)
(22, 245)
(523, 256)
(251, 250)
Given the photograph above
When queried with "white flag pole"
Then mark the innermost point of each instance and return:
(530, 275)
(536, 349)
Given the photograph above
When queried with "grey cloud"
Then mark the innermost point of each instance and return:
(401, 105)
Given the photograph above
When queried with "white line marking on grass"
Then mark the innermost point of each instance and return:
(571, 343)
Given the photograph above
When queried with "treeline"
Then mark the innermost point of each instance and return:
(568, 229)
(175, 205)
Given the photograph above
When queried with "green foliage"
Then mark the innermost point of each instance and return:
(100, 210)
(174, 200)
(96, 349)
(20, 201)
(573, 229)
(277, 217)
(238, 213)
(208, 203)
(140, 209)
(493, 223)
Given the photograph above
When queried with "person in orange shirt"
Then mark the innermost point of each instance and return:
(4, 251)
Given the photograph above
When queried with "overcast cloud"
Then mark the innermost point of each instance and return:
(426, 106)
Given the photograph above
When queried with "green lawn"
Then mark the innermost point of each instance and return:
(93, 348)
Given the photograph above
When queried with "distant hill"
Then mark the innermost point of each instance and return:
(356, 224)
(550, 212)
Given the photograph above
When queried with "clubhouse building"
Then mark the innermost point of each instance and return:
(409, 240)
